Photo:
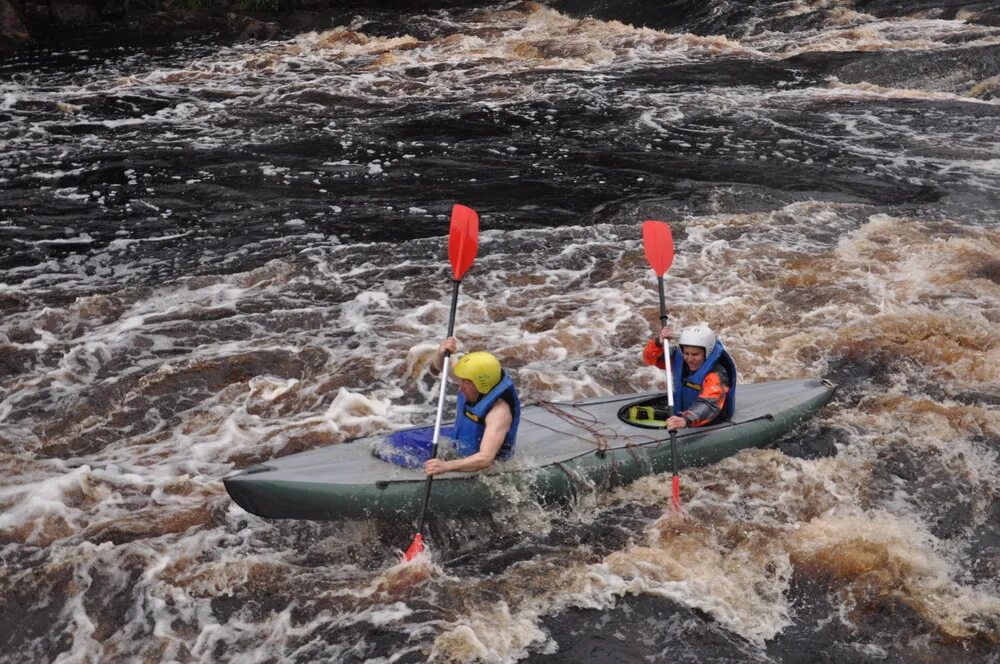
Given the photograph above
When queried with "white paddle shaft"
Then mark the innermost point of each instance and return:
(437, 421)
(670, 376)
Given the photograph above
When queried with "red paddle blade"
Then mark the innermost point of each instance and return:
(463, 239)
(417, 546)
(675, 499)
(659, 245)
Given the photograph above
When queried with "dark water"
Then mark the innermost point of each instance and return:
(214, 255)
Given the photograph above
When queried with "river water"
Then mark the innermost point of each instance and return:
(213, 255)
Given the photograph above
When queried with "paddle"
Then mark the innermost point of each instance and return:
(463, 240)
(659, 245)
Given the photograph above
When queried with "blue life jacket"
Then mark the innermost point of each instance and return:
(686, 390)
(470, 420)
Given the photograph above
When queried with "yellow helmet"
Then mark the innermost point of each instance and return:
(482, 368)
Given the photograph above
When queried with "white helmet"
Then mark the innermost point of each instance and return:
(698, 335)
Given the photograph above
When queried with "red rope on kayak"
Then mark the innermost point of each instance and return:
(589, 423)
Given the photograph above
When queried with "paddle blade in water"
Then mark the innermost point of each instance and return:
(659, 245)
(675, 500)
(463, 239)
(417, 546)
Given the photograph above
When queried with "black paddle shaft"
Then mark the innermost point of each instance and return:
(663, 303)
(434, 448)
(454, 306)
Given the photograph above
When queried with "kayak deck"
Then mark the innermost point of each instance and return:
(347, 480)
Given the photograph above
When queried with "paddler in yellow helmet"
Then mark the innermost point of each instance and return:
(487, 415)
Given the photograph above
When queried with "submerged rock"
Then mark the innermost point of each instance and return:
(55, 22)
(12, 30)
(74, 13)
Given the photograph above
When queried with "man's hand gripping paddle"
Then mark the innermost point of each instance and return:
(659, 245)
(463, 241)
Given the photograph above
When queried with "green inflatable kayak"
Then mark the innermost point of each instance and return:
(561, 449)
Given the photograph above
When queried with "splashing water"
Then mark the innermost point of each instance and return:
(218, 255)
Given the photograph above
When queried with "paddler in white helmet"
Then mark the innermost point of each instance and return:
(487, 415)
(704, 376)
